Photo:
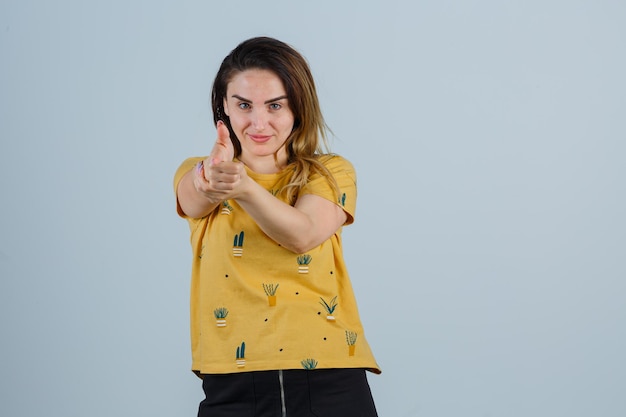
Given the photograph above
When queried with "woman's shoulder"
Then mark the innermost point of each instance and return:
(192, 160)
(334, 162)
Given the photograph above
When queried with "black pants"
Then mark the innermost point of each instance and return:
(291, 393)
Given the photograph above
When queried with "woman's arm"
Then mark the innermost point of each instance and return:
(298, 228)
(194, 197)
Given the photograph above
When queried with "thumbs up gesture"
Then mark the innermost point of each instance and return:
(218, 177)
(223, 149)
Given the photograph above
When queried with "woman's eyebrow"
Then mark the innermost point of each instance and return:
(238, 97)
(275, 99)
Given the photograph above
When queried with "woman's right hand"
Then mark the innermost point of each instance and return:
(217, 177)
(213, 180)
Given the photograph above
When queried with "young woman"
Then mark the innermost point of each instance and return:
(275, 329)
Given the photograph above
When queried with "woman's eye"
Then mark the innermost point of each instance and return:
(275, 106)
(244, 106)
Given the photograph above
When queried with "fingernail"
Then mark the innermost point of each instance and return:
(199, 167)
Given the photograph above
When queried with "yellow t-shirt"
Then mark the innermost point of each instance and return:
(258, 306)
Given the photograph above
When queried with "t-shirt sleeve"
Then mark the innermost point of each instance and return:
(344, 174)
(184, 168)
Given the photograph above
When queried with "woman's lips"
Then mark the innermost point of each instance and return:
(260, 138)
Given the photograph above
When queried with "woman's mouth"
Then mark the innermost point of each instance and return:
(260, 138)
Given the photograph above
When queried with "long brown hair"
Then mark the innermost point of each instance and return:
(308, 139)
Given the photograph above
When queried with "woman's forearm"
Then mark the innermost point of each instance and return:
(298, 228)
(192, 202)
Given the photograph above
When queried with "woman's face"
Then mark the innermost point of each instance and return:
(256, 103)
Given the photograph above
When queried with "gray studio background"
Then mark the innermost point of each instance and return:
(488, 251)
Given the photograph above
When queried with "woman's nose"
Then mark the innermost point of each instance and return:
(259, 119)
